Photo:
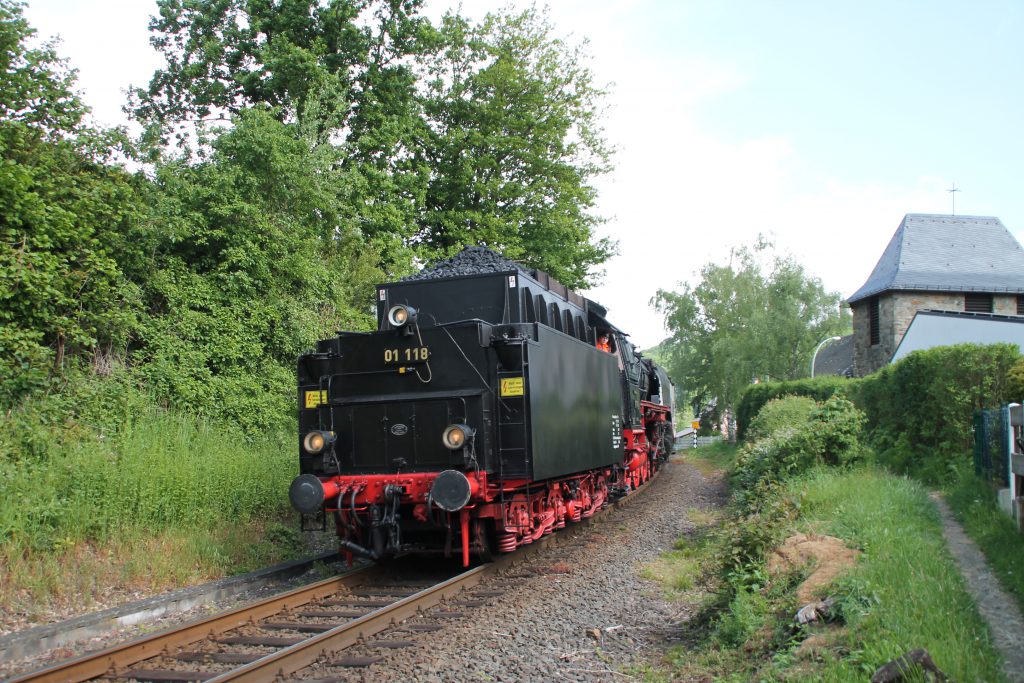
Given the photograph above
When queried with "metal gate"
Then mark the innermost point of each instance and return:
(991, 445)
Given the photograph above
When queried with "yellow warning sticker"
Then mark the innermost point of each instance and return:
(315, 398)
(512, 386)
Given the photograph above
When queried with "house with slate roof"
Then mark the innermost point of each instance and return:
(835, 358)
(935, 262)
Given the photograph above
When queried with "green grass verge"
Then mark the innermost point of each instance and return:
(974, 503)
(162, 469)
(907, 591)
(717, 456)
(152, 500)
(904, 593)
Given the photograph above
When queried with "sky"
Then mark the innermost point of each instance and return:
(817, 124)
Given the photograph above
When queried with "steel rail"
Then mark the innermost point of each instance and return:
(301, 655)
(293, 658)
(281, 664)
(97, 664)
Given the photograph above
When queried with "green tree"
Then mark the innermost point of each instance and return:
(744, 321)
(515, 146)
(463, 134)
(332, 65)
(255, 258)
(65, 214)
(343, 70)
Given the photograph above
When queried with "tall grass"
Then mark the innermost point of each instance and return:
(100, 496)
(160, 470)
(906, 592)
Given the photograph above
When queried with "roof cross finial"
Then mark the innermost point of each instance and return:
(952, 196)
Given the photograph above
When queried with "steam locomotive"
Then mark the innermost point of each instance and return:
(491, 407)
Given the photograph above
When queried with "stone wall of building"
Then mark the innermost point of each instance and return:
(868, 358)
(1004, 304)
(906, 304)
(895, 312)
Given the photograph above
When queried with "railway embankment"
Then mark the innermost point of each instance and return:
(570, 607)
(890, 586)
(837, 557)
(108, 498)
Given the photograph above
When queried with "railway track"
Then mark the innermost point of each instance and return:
(276, 637)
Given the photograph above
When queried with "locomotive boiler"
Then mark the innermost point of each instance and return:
(491, 407)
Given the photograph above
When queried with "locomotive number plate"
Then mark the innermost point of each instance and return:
(415, 354)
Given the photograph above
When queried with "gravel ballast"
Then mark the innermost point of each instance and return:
(576, 612)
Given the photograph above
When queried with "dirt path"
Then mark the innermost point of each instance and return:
(996, 606)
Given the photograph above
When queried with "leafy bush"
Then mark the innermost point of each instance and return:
(834, 431)
(758, 525)
(24, 363)
(831, 435)
(920, 410)
(780, 413)
(755, 396)
(1015, 381)
(769, 460)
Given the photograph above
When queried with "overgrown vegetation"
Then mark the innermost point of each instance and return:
(755, 396)
(920, 410)
(294, 153)
(173, 497)
(780, 413)
(804, 475)
(827, 434)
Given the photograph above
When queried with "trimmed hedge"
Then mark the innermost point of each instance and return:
(756, 395)
(921, 410)
(780, 413)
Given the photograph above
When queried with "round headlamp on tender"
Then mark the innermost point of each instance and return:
(455, 437)
(401, 315)
(317, 441)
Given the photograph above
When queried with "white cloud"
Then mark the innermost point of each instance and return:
(107, 42)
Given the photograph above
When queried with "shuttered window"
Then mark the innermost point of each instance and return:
(873, 320)
(1020, 304)
(978, 303)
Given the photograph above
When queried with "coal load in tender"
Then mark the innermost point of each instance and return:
(469, 261)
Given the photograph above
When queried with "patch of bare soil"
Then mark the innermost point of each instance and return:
(828, 556)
